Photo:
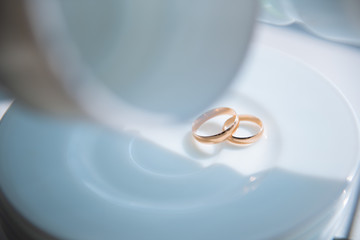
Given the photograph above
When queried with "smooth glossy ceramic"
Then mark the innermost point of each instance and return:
(331, 19)
(125, 60)
(81, 181)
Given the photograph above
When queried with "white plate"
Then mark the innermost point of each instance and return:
(79, 181)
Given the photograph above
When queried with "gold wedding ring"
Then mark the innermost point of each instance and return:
(248, 139)
(231, 126)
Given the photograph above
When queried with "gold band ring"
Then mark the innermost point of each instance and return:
(231, 126)
(249, 139)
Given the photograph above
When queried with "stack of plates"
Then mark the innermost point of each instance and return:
(76, 180)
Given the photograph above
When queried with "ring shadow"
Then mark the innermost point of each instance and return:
(203, 151)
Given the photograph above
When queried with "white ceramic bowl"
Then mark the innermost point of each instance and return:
(330, 19)
(119, 60)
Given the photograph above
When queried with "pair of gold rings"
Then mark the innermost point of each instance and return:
(229, 127)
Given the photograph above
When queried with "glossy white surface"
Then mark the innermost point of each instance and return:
(106, 185)
(331, 19)
(339, 63)
(131, 59)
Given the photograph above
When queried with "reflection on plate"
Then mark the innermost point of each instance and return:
(80, 181)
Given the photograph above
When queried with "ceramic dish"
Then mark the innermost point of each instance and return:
(82, 181)
(125, 58)
(333, 20)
